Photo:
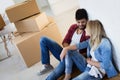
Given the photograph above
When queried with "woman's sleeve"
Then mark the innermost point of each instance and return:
(106, 54)
(83, 44)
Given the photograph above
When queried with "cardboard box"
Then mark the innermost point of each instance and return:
(28, 43)
(51, 19)
(32, 24)
(2, 23)
(22, 10)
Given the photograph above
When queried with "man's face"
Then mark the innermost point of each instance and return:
(81, 23)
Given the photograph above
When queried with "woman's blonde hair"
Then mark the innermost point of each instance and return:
(96, 31)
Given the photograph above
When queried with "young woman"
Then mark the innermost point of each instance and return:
(99, 55)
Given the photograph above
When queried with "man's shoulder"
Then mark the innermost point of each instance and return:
(73, 26)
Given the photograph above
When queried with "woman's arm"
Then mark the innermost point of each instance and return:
(105, 50)
(64, 51)
(106, 53)
(81, 45)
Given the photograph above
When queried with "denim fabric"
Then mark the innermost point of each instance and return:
(103, 54)
(47, 45)
(57, 72)
(76, 58)
(85, 76)
(68, 64)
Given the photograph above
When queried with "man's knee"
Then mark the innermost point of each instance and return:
(43, 38)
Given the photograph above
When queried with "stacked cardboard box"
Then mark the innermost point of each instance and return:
(22, 10)
(28, 43)
(27, 16)
(32, 27)
(33, 23)
(2, 23)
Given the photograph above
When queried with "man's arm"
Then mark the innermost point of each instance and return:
(64, 51)
(68, 36)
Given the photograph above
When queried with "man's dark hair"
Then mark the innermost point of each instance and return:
(81, 14)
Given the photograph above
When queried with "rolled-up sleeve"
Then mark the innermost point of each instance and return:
(83, 44)
(69, 34)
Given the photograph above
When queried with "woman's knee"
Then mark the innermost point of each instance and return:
(82, 76)
(51, 76)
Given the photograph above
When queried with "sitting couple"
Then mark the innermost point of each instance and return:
(91, 55)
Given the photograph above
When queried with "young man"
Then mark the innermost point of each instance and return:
(75, 34)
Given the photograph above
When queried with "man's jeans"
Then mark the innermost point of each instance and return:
(78, 59)
(60, 69)
(57, 72)
(47, 45)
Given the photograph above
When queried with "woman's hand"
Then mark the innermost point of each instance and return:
(93, 63)
(63, 53)
(88, 60)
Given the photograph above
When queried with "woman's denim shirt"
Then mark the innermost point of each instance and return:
(103, 54)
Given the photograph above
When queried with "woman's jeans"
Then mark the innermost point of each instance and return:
(85, 76)
(47, 45)
(80, 61)
(57, 72)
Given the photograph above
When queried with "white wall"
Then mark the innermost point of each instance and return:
(60, 6)
(108, 12)
(3, 5)
(41, 3)
(10, 27)
(18, 1)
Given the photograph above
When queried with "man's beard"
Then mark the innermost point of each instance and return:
(82, 28)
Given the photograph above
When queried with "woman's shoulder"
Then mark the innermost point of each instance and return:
(105, 42)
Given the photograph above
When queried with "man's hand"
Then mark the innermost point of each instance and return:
(65, 49)
(63, 53)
